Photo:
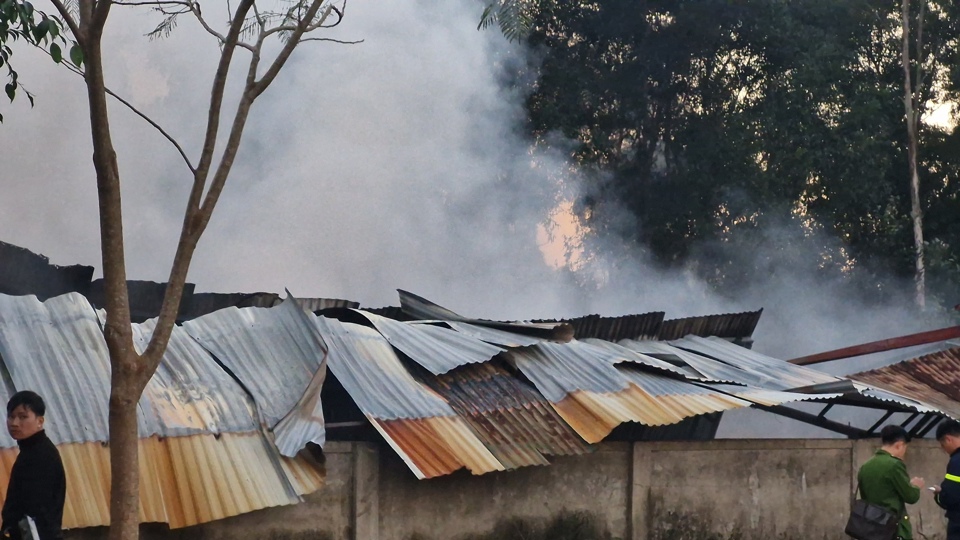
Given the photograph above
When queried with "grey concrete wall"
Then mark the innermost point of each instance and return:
(717, 490)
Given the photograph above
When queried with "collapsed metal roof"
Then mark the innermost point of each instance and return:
(932, 378)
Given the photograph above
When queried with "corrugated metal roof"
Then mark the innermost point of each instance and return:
(423, 309)
(694, 365)
(493, 335)
(728, 325)
(511, 418)
(274, 352)
(57, 349)
(623, 354)
(931, 379)
(190, 393)
(762, 396)
(415, 421)
(642, 326)
(772, 373)
(436, 348)
(594, 397)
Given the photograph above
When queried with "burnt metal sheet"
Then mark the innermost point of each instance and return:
(415, 421)
(273, 352)
(931, 379)
(728, 325)
(511, 418)
(640, 326)
(422, 309)
(436, 348)
(773, 373)
(23, 272)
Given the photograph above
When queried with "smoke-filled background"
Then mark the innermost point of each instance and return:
(394, 163)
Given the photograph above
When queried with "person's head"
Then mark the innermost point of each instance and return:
(894, 440)
(948, 435)
(25, 412)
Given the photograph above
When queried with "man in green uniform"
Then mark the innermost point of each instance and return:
(884, 481)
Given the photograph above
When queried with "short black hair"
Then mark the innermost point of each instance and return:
(948, 427)
(894, 433)
(30, 400)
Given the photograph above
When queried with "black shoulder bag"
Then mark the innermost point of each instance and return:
(870, 521)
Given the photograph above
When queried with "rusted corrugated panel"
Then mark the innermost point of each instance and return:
(593, 396)
(772, 373)
(641, 326)
(730, 325)
(932, 379)
(417, 423)
(422, 309)
(436, 348)
(274, 352)
(511, 418)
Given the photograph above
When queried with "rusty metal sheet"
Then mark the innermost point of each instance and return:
(511, 418)
(932, 379)
(436, 348)
(415, 421)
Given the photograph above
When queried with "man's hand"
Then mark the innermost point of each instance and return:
(917, 481)
(935, 489)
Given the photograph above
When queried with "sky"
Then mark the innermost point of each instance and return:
(393, 163)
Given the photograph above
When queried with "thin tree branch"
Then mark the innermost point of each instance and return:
(340, 41)
(287, 50)
(68, 18)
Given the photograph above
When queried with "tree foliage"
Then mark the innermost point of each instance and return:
(702, 124)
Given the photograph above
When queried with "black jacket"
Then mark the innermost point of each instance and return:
(949, 496)
(37, 488)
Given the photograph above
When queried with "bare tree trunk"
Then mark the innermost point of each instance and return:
(913, 124)
(124, 461)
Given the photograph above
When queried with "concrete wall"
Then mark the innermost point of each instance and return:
(717, 490)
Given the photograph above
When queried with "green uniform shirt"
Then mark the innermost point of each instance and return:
(884, 481)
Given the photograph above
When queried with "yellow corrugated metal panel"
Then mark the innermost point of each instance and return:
(594, 415)
(437, 446)
(183, 480)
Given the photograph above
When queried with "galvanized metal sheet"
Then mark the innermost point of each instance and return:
(557, 369)
(623, 354)
(694, 365)
(57, 349)
(766, 397)
(727, 325)
(771, 372)
(370, 371)
(190, 393)
(274, 352)
(493, 335)
(640, 326)
(436, 348)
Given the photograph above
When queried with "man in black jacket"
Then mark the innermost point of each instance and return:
(38, 484)
(948, 492)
